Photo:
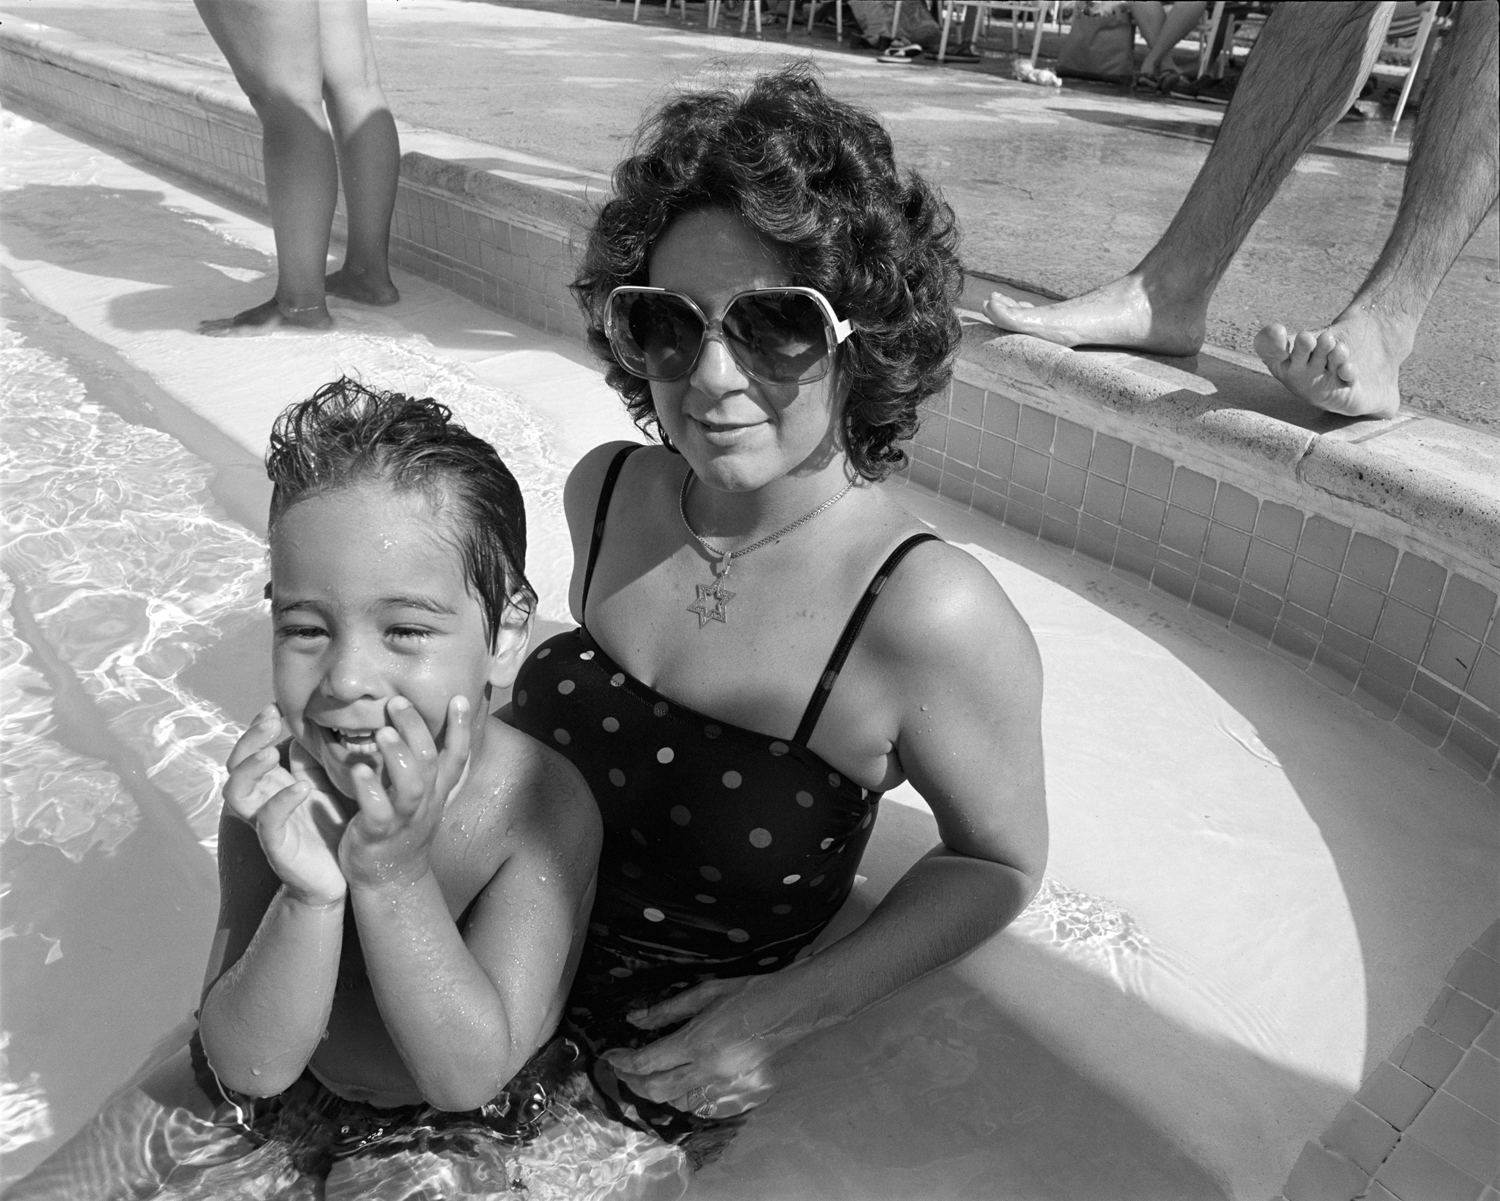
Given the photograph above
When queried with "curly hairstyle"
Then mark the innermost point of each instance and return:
(346, 434)
(815, 178)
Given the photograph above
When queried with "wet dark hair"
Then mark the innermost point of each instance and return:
(816, 179)
(346, 434)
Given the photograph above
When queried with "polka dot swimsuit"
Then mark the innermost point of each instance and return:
(726, 851)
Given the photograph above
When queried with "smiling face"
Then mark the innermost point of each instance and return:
(737, 433)
(369, 602)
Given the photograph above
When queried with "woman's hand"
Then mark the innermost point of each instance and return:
(294, 812)
(717, 1065)
(388, 839)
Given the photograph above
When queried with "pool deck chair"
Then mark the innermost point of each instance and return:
(681, 8)
(1424, 29)
(1040, 8)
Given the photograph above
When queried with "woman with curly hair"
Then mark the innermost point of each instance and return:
(767, 640)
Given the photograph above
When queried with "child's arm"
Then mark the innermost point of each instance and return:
(274, 963)
(467, 1009)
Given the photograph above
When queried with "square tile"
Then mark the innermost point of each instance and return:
(1484, 683)
(1324, 542)
(1065, 483)
(1311, 586)
(1258, 622)
(1094, 546)
(1133, 562)
(1362, 1136)
(1431, 1056)
(989, 502)
(968, 403)
(1450, 654)
(1170, 580)
(996, 454)
(1236, 508)
(1323, 1175)
(1334, 670)
(1110, 458)
(1467, 606)
(1072, 443)
(1143, 514)
(1433, 690)
(1214, 578)
(1370, 561)
(1184, 531)
(1029, 469)
(1380, 697)
(1178, 561)
(1226, 547)
(1103, 498)
(1268, 566)
(932, 430)
(1403, 630)
(1391, 668)
(1060, 533)
(1036, 429)
(963, 443)
(956, 489)
(1023, 517)
(1488, 943)
(1476, 1082)
(1470, 750)
(1259, 599)
(1216, 601)
(1280, 524)
(1424, 721)
(1415, 1173)
(1393, 1095)
(1356, 607)
(1194, 491)
(1459, 1133)
(1489, 1039)
(961, 471)
(1001, 415)
(925, 476)
(1150, 473)
(1479, 719)
(1297, 644)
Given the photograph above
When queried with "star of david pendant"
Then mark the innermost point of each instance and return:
(712, 601)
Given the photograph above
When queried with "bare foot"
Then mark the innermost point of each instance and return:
(1121, 313)
(361, 289)
(1350, 368)
(263, 318)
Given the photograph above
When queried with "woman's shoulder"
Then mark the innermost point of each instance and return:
(587, 477)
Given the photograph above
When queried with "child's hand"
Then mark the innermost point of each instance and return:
(388, 839)
(294, 812)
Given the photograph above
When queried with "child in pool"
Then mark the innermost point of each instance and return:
(405, 880)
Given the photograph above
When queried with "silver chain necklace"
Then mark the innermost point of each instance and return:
(712, 602)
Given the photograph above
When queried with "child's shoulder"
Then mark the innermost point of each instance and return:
(519, 783)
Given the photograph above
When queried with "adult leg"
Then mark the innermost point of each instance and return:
(368, 151)
(1452, 181)
(1164, 29)
(273, 48)
(1304, 74)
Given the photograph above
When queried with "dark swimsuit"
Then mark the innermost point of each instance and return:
(726, 852)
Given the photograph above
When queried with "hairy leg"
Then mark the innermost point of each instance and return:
(369, 152)
(1352, 366)
(1305, 72)
(272, 46)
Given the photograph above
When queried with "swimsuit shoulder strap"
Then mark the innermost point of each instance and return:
(606, 490)
(851, 632)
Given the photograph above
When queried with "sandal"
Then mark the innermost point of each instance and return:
(900, 54)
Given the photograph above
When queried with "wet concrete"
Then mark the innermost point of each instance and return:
(1056, 191)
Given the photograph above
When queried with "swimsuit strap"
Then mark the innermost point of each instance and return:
(606, 490)
(851, 632)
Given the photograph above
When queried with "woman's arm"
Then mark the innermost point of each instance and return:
(269, 985)
(467, 1009)
(961, 694)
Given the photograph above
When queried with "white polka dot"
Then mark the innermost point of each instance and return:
(835, 779)
(617, 679)
(869, 817)
(767, 961)
(792, 879)
(781, 908)
(617, 777)
(654, 915)
(619, 973)
(815, 881)
(638, 836)
(680, 815)
(586, 656)
(630, 870)
(779, 748)
(562, 736)
(732, 779)
(826, 843)
(610, 725)
(760, 837)
(660, 708)
(521, 699)
(738, 936)
(711, 873)
(566, 686)
(704, 899)
(805, 799)
(665, 755)
(544, 652)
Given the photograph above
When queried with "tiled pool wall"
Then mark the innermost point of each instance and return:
(517, 263)
(1426, 1122)
(1411, 639)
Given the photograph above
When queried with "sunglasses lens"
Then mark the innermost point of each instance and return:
(782, 337)
(654, 335)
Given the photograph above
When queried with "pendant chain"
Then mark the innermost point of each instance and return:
(724, 556)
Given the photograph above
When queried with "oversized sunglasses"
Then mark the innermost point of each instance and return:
(776, 335)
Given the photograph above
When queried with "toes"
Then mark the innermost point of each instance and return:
(1303, 346)
(1273, 344)
(1340, 363)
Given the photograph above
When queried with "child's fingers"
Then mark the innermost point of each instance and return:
(408, 772)
(264, 731)
(252, 781)
(374, 805)
(455, 753)
(276, 812)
